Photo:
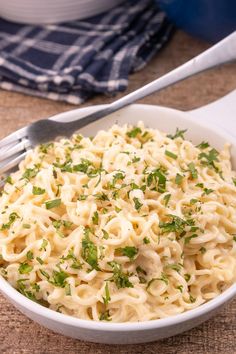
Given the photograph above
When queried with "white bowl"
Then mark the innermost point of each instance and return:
(53, 11)
(136, 332)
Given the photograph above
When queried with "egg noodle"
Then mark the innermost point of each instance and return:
(130, 225)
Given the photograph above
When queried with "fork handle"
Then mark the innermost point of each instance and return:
(223, 52)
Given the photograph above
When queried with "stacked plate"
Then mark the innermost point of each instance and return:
(52, 11)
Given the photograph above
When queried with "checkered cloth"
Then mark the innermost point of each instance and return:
(73, 61)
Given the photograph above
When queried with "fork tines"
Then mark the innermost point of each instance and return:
(13, 149)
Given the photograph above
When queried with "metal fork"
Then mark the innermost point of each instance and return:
(14, 147)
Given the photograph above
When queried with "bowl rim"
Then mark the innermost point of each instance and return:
(29, 305)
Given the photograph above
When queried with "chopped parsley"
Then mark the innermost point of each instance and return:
(193, 201)
(117, 209)
(25, 268)
(58, 223)
(83, 166)
(175, 266)
(157, 176)
(209, 159)
(203, 145)
(175, 225)
(202, 250)
(44, 245)
(107, 297)
(207, 191)
(101, 196)
(21, 287)
(167, 198)
(26, 226)
(12, 218)
(89, 251)
(137, 204)
(146, 240)
(189, 238)
(129, 251)
(105, 316)
(178, 134)
(53, 203)
(141, 273)
(30, 173)
(135, 159)
(180, 288)
(187, 277)
(193, 170)
(178, 179)
(134, 132)
(141, 270)
(39, 260)
(59, 277)
(44, 273)
(120, 278)
(9, 180)
(171, 154)
(38, 190)
(65, 167)
(71, 256)
(146, 136)
(82, 197)
(95, 218)
(192, 299)
(163, 278)
(29, 255)
(119, 176)
(105, 234)
(45, 147)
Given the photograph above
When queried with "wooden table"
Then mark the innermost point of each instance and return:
(18, 334)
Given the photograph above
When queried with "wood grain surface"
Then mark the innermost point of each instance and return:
(18, 334)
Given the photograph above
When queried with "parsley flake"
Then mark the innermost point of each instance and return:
(29, 255)
(89, 251)
(129, 252)
(30, 173)
(44, 245)
(134, 132)
(25, 268)
(107, 297)
(12, 218)
(203, 145)
(171, 154)
(209, 159)
(189, 238)
(120, 278)
(53, 203)
(137, 203)
(38, 190)
(105, 316)
(178, 179)
(193, 170)
(157, 175)
(95, 218)
(167, 198)
(163, 278)
(178, 134)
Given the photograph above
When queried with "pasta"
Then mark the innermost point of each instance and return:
(130, 225)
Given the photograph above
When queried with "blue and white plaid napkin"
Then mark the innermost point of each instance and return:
(73, 61)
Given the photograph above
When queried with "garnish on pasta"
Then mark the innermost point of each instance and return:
(130, 225)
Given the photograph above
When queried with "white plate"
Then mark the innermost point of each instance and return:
(53, 11)
(125, 333)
